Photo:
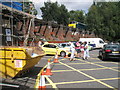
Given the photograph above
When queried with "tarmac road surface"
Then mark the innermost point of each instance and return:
(78, 74)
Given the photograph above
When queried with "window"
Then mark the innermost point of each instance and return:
(101, 41)
(111, 47)
(63, 45)
(73, 22)
(46, 45)
(50, 46)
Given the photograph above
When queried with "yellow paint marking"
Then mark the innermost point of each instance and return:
(37, 81)
(72, 63)
(76, 63)
(99, 65)
(38, 76)
(81, 69)
(92, 69)
(73, 82)
(88, 75)
(110, 78)
(51, 83)
(63, 59)
(62, 70)
(106, 62)
(95, 69)
(95, 58)
(83, 81)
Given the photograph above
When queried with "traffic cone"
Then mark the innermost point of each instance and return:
(66, 55)
(42, 83)
(48, 70)
(56, 58)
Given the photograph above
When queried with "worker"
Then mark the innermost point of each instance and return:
(82, 49)
(77, 48)
(39, 43)
(72, 49)
(86, 51)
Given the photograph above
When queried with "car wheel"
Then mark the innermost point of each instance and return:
(63, 54)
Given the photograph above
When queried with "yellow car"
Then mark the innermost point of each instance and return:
(51, 48)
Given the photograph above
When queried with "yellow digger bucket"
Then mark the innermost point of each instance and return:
(15, 61)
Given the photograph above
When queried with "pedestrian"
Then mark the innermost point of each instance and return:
(89, 48)
(86, 51)
(82, 49)
(72, 49)
(39, 43)
(77, 48)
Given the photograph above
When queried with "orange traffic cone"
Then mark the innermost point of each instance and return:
(48, 70)
(42, 83)
(66, 55)
(56, 58)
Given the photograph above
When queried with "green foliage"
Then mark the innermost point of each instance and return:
(103, 18)
(28, 9)
(77, 16)
(55, 12)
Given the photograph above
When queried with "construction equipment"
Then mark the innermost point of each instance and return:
(15, 61)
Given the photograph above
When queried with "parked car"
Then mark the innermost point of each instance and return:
(51, 48)
(67, 45)
(110, 51)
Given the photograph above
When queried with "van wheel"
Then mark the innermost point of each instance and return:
(62, 54)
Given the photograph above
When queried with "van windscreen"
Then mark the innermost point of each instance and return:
(100, 41)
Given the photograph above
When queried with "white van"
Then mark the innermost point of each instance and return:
(95, 42)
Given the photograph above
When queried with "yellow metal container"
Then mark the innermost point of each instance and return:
(15, 61)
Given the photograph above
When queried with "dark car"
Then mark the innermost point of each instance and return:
(110, 51)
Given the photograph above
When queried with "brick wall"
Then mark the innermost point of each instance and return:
(42, 29)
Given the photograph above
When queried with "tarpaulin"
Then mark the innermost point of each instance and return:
(12, 4)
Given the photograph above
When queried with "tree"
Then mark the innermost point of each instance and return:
(55, 12)
(63, 16)
(103, 18)
(29, 7)
(77, 16)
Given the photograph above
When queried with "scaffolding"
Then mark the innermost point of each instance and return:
(11, 18)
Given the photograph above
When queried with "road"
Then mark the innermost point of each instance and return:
(91, 73)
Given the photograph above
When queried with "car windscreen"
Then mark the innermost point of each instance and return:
(58, 46)
(50, 46)
(112, 47)
(65, 45)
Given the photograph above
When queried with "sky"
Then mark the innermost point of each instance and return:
(70, 5)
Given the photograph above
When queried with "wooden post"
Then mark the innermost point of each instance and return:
(28, 33)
